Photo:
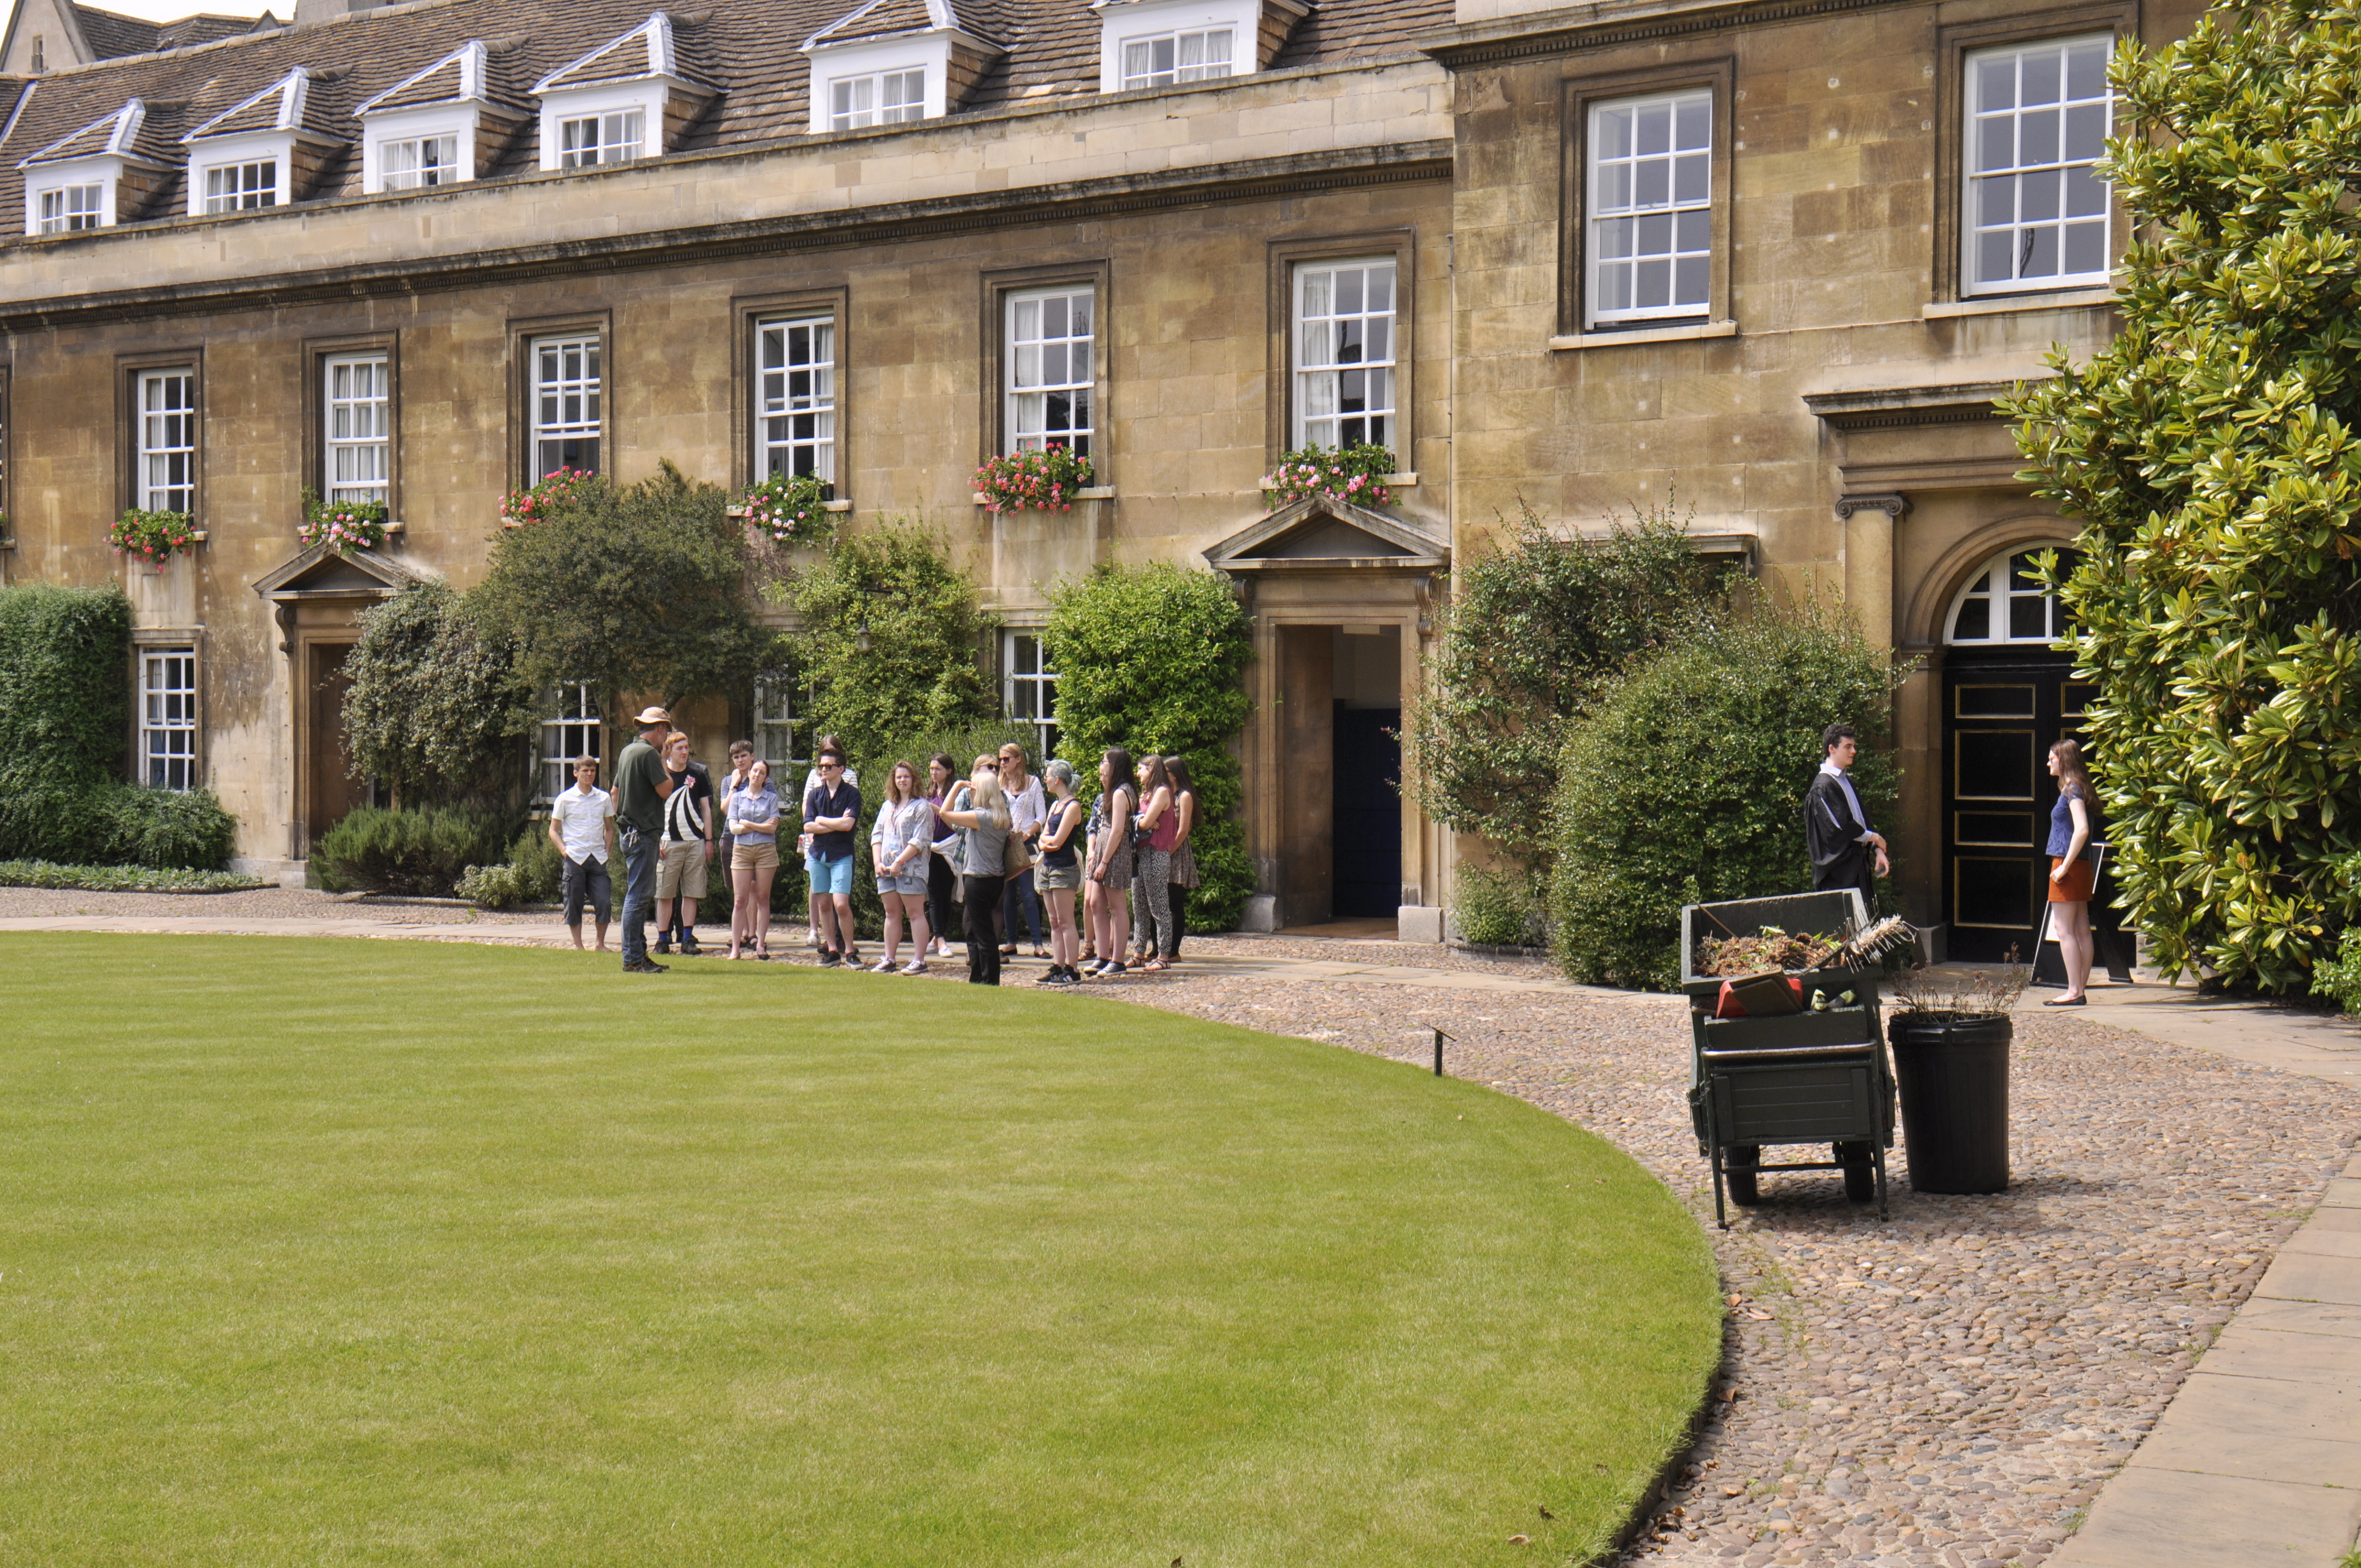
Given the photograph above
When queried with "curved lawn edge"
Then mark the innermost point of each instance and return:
(1150, 1283)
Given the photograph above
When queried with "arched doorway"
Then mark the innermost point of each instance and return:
(2007, 697)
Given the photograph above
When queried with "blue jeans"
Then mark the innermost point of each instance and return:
(1020, 894)
(639, 891)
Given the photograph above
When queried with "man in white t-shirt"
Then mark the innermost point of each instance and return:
(582, 826)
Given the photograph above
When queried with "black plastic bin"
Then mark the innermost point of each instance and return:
(1952, 1069)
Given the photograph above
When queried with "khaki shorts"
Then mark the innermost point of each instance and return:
(681, 872)
(1057, 879)
(745, 857)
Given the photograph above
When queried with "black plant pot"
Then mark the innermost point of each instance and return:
(1952, 1070)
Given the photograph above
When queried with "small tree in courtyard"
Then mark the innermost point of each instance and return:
(888, 648)
(1151, 658)
(2210, 453)
(639, 589)
(435, 710)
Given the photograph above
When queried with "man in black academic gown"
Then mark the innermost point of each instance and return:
(1844, 846)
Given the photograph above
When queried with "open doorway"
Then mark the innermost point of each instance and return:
(1367, 847)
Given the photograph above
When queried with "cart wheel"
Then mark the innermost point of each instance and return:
(1742, 1182)
(1860, 1172)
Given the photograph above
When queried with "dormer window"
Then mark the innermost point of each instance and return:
(594, 139)
(71, 207)
(242, 186)
(439, 126)
(892, 62)
(1163, 59)
(1149, 44)
(86, 180)
(262, 152)
(883, 98)
(617, 103)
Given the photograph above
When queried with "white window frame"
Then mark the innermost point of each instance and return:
(573, 729)
(419, 162)
(166, 414)
(1186, 56)
(2051, 144)
(386, 128)
(568, 400)
(74, 174)
(239, 186)
(1648, 215)
(1126, 22)
(794, 399)
(69, 209)
(615, 136)
(1996, 587)
(775, 727)
(1029, 697)
(356, 427)
(1327, 360)
(168, 719)
(1038, 368)
(856, 103)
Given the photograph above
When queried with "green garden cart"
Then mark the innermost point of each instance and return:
(1801, 1078)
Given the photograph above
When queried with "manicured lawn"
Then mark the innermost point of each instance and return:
(350, 1251)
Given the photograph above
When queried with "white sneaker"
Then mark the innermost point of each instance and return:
(882, 966)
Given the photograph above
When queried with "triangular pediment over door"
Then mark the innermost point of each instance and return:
(1320, 534)
(320, 575)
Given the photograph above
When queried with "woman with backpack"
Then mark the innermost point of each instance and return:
(980, 812)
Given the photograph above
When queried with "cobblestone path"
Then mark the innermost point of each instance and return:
(1949, 1386)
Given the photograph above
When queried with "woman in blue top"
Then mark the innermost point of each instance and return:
(752, 812)
(2071, 870)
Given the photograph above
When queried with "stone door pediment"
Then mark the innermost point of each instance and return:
(1322, 534)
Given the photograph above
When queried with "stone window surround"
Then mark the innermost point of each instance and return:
(1715, 75)
(456, 120)
(1044, 682)
(996, 285)
(7, 464)
(750, 311)
(1953, 44)
(318, 352)
(145, 641)
(522, 332)
(128, 368)
(1284, 257)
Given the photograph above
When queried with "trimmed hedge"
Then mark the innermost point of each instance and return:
(108, 823)
(64, 695)
(1686, 784)
(420, 853)
(122, 879)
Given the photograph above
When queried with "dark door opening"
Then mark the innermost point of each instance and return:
(1367, 823)
(2002, 710)
(332, 789)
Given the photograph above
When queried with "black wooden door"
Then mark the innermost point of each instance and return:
(1368, 811)
(2002, 710)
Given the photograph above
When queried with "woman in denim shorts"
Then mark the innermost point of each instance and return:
(899, 849)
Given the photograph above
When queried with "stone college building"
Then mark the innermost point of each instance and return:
(1781, 253)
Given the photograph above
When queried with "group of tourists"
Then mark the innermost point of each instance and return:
(994, 844)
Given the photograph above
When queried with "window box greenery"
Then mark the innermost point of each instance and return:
(537, 500)
(344, 526)
(790, 508)
(152, 538)
(1355, 474)
(1047, 480)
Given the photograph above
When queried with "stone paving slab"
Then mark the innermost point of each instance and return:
(2146, 1518)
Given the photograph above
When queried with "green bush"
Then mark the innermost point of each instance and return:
(896, 588)
(422, 854)
(1151, 658)
(64, 695)
(1686, 784)
(1535, 629)
(1495, 908)
(2209, 452)
(109, 822)
(435, 710)
(2339, 979)
(532, 874)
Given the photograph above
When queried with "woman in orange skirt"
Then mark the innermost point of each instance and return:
(2072, 873)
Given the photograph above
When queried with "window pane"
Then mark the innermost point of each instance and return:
(1657, 263)
(2039, 118)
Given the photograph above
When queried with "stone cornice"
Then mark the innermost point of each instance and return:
(1613, 23)
(1254, 179)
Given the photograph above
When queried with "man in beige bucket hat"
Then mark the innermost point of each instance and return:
(641, 786)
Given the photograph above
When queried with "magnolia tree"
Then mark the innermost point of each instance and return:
(2209, 455)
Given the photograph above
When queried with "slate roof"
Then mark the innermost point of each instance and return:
(748, 49)
(111, 37)
(474, 69)
(121, 134)
(893, 19)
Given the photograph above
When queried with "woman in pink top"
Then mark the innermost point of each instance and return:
(1151, 892)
